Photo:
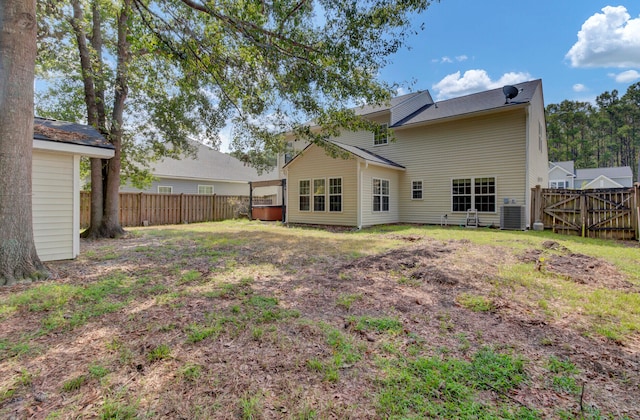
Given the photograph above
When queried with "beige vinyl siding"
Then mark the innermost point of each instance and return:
(537, 159)
(370, 217)
(53, 205)
(315, 164)
(484, 146)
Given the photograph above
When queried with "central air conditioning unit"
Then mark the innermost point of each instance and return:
(512, 218)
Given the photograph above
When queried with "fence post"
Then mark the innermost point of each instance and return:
(636, 206)
(583, 212)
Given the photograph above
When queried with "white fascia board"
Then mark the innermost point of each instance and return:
(76, 149)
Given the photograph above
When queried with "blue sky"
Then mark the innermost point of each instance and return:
(579, 48)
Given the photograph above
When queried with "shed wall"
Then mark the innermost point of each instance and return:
(53, 180)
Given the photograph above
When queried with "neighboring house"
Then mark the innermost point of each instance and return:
(562, 175)
(620, 177)
(479, 151)
(210, 172)
(57, 148)
(617, 177)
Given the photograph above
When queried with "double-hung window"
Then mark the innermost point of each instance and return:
(163, 189)
(473, 193)
(335, 194)
(319, 194)
(304, 193)
(559, 184)
(416, 190)
(380, 136)
(205, 189)
(380, 194)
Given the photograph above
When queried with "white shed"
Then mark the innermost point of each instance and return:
(57, 148)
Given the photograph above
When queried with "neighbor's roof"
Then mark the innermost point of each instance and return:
(482, 101)
(567, 165)
(617, 172)
(68, 132)
(208, 164)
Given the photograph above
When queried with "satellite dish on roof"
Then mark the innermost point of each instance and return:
(510, 92)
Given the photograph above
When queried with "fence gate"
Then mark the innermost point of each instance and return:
(601, 213)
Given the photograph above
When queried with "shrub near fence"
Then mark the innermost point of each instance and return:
(140, 209)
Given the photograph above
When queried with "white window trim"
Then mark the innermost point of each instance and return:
(473, 194)
(328, 189)
(421, 189)
(165, 186)
(314, 195)
(383, 126)
(305, 195)
(381, 195)
(556, 181)
(206, 186)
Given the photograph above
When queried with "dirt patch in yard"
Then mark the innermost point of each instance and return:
(179, 285)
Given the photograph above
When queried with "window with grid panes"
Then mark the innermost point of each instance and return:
(304, 194)
(335, 194)
(380, 194)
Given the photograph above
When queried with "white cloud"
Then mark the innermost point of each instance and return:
(608, 39)
(474, 81)
(448, 60)
(579, 87)
(626, 76)
(401, 91)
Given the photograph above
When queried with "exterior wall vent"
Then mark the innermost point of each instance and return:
(512, 218)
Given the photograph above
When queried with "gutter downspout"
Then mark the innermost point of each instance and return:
(527, 166)
(359, 196)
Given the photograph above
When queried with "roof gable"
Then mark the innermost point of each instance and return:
(359, 152)
(602, 181)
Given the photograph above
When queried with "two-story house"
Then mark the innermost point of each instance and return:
(477, 152)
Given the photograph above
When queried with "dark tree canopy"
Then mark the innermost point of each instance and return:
(603, 134)
(150, 74)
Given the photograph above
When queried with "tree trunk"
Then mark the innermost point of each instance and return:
(105, 175)
(18, 257)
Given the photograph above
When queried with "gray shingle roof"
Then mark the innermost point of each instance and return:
(483, 101)
(67, 132)
(366, 155)
(209, 164)
(566, 165)
(617, 172)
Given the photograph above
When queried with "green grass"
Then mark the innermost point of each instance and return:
(74, 384)
(191, 372)
(384, 324)
(476, 303)
(160, 352)
(443, 387)
(346, 301)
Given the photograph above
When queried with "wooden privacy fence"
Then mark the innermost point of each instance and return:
(142, 209)
(612, 213)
